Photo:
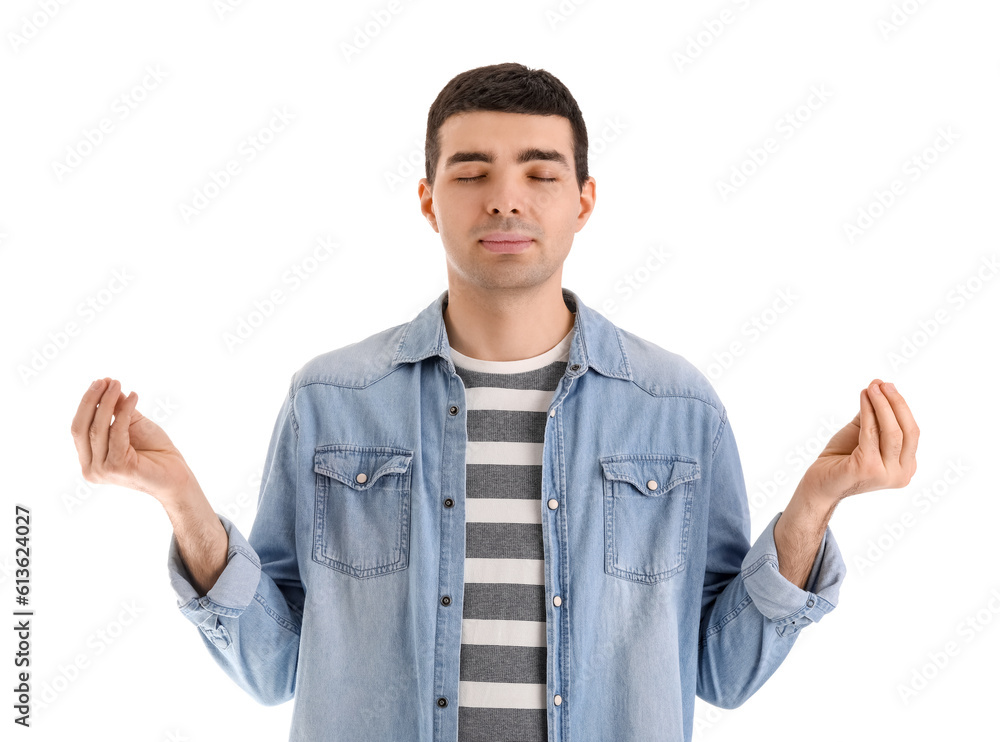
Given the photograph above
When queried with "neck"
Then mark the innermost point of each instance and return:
(508, 325)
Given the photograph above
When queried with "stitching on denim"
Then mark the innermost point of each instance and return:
(761, 561)
(218, 609)
(278, 619)
(769, 560)
(611, 553)
(236, 549)
(681, 395)
(716, 628)
(322, 499)
(291, 409)
(190, 607)
(621, 347)
(722, 425)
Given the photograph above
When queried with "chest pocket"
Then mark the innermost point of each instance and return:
(648, 500)
(362, 515)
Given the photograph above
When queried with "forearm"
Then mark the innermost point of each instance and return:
(201, 538)
(798, 534)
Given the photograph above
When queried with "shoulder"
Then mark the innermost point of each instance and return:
(356, 365)
(664, 373)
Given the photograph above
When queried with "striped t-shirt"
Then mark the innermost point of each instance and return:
(502, 679)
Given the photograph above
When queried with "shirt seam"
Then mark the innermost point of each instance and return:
(716, 628)
(723, 421)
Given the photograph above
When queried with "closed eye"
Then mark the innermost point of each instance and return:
(468, 180)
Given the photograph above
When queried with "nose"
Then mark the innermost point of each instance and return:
(506, 197)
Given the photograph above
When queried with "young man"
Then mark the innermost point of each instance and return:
(508, 518)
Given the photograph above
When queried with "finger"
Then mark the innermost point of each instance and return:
(82, 420)
(868, 437)
(102, 422)
(118, 438)
(890, 434)
(911, 433)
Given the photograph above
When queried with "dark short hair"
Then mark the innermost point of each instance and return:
(510, 88)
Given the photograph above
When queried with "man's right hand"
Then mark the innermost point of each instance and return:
(132, 452)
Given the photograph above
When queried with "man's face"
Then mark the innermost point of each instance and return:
(517, 184)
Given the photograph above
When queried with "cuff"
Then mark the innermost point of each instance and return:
(786, 604)
(231, 593)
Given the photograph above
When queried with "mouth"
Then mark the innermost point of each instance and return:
(506, 242)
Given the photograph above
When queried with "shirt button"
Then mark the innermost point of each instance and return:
(810, 602)
(442, 702)
(448, 502)
(651, 484)
(557, 600)
(445, 600)
(553, 504)
(453, 410)
(574, 367)
(362, 478)
(552, 413)
(557, 700)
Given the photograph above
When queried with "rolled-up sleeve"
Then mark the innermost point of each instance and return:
(751, 614)
(787, 605)
(232, 591)
(251, 618)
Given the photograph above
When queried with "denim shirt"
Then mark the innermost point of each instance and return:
(347, 595)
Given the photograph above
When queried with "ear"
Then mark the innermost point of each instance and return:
(588, 198)
(426, 196)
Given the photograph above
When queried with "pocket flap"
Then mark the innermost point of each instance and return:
(348, 464)
(651, 473)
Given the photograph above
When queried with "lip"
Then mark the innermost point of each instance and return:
(506, 242)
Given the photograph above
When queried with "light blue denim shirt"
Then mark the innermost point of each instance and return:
(348, 593)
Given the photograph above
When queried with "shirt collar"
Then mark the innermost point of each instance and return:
(597, 343)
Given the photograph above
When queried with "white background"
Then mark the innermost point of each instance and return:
(664, 133)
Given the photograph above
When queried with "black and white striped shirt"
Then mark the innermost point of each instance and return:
(502, 681)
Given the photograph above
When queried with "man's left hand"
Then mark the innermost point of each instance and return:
(876, 450)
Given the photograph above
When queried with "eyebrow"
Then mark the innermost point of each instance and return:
(525, 155)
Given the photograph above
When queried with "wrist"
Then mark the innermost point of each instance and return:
(187, 496)
(806, 515)
(808, 499)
